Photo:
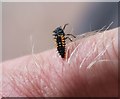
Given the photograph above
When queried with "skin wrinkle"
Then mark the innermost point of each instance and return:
(53, 66)
(20, 87)
(11, 74)
(110, 44)
(51, 80)
(101, 75)
(106, 52)
(77, 82)
(89, 52)
(40, 76)
(114, 50)
(66, 81)
(43, 79)
(85, 49)
(57, 76)
(34, 83)
(101, 43)
(25, 80)
(14, 86)
(30, 80)
(3, 87)
(64, 84)
(105, 46)
(70, 47)
(29, 86)
(29, 89)
(92, 52)
(94, 59)
(105, 36)
(79, 53)
(73, 65)
(72, 53)
(98, 57)
(113, 45)
(72, 70)
(69, 80)
(84, 59)
(44, 76)
(33, 80)
(17, 77)
(2, 93)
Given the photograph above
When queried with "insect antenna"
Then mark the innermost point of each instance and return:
(65, 26)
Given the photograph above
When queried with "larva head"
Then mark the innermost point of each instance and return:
(58, 31)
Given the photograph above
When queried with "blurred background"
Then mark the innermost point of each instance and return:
(20, 21)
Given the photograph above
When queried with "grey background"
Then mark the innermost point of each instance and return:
(20, 20)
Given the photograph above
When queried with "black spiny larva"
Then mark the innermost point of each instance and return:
(60, 37)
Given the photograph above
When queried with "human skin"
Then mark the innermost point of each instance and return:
(89, 70)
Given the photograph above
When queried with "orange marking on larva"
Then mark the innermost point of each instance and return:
(59, 36)
(62, 37)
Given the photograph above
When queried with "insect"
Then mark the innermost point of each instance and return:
(60, 37)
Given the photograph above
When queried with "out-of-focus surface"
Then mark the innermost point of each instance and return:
(20, 20)
(98, 15)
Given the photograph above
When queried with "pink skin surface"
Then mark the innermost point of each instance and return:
(90, 70)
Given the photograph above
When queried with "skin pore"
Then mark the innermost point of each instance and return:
(90, 70)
